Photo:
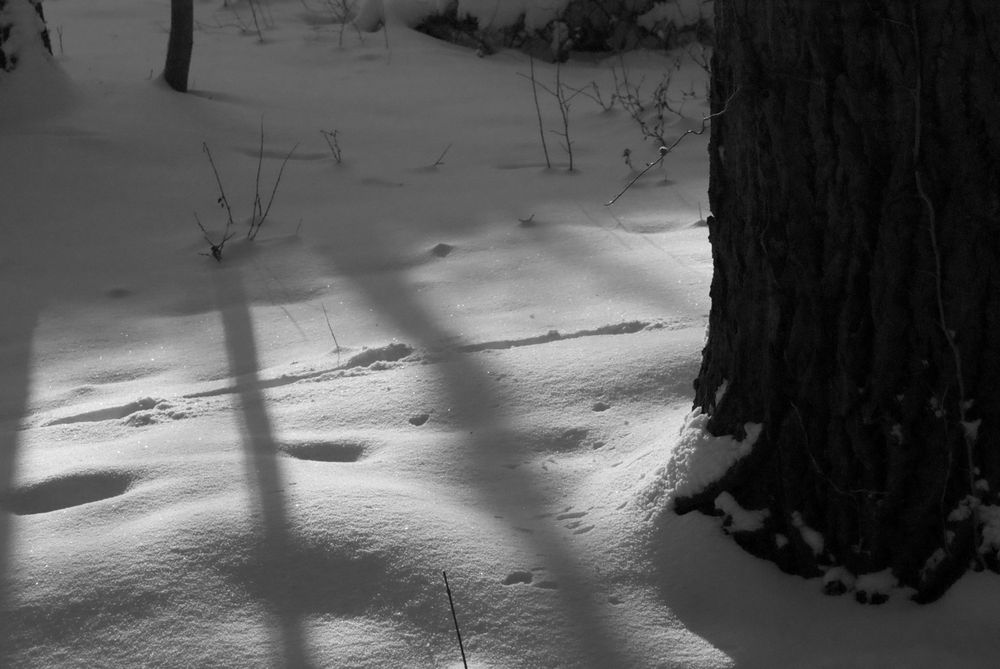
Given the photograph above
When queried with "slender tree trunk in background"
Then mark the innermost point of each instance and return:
(855, 186)
(8, 55)
(175, 72)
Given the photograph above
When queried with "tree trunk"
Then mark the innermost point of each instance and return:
(855, 187)
(10, 23)
(179, 45)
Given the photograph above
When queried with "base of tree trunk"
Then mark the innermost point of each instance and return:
(856, 294)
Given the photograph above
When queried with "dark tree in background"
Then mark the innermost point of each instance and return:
(855, 186)
(8, 45)
(179, 45)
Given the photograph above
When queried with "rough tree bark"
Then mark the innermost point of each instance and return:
(179, 44)
(9, 45)
(855, 186)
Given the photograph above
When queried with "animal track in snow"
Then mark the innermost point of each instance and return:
(518, 577)
(562, 440)
(575, 523)
(325, 451)
(110, 413)
(628, 327)
(419, 419)
(63, 492)
(389, 353)
(142, 412)
(523, 576)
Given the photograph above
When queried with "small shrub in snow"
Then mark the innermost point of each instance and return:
(548, 29)
(259, 212)
(563, 95)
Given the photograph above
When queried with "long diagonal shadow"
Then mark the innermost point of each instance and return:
(473, 405)
(15, 360)
(260, 458)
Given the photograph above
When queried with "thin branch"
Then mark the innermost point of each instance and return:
(223, 200)
(455, 618)
(440, 160)
(274, 191)
(215, 250)
(538, 110)
(330, 327)
(260, 162)
(665, 150)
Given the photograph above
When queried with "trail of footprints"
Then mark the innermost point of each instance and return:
(74, 489)
(576, 522)
(527, 577)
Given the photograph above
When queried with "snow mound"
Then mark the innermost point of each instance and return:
(700, 458)
(35, 86)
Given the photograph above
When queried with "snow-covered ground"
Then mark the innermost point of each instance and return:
(199, 475)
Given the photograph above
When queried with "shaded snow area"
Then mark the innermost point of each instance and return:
(437, 355)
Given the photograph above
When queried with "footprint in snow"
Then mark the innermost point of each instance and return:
(66, 491)
(518, 576)
(325, 451)
(382, 354)
(525, 577)
(442, 250)
(575, 524)
(109, 413)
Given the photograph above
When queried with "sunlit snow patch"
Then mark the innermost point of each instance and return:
(700, 458)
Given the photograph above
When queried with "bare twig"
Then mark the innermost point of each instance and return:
(455, 618)
(223, 200)
(665, 150)
(440, 160)
(563, 102)
(215, 250)
(253, 12)
(255, 225)
(256, 190)
(538, 110)
(330, 327)
(331, 140)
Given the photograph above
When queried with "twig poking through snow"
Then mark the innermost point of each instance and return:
(538, 110)
(440, 160)
(455, 618)
(223, 200)
(215, 250)
(330, 327)
(331, 140)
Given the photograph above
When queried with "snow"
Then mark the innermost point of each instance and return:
(699, 458)
(194, 472)
(811, 537)
(989, 515)
(739, 519)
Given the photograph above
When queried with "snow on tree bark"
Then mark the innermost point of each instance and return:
(17, 25)
(826, 322)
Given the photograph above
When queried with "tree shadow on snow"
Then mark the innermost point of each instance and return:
(474, 410)
(275, 551)
(19, 320)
